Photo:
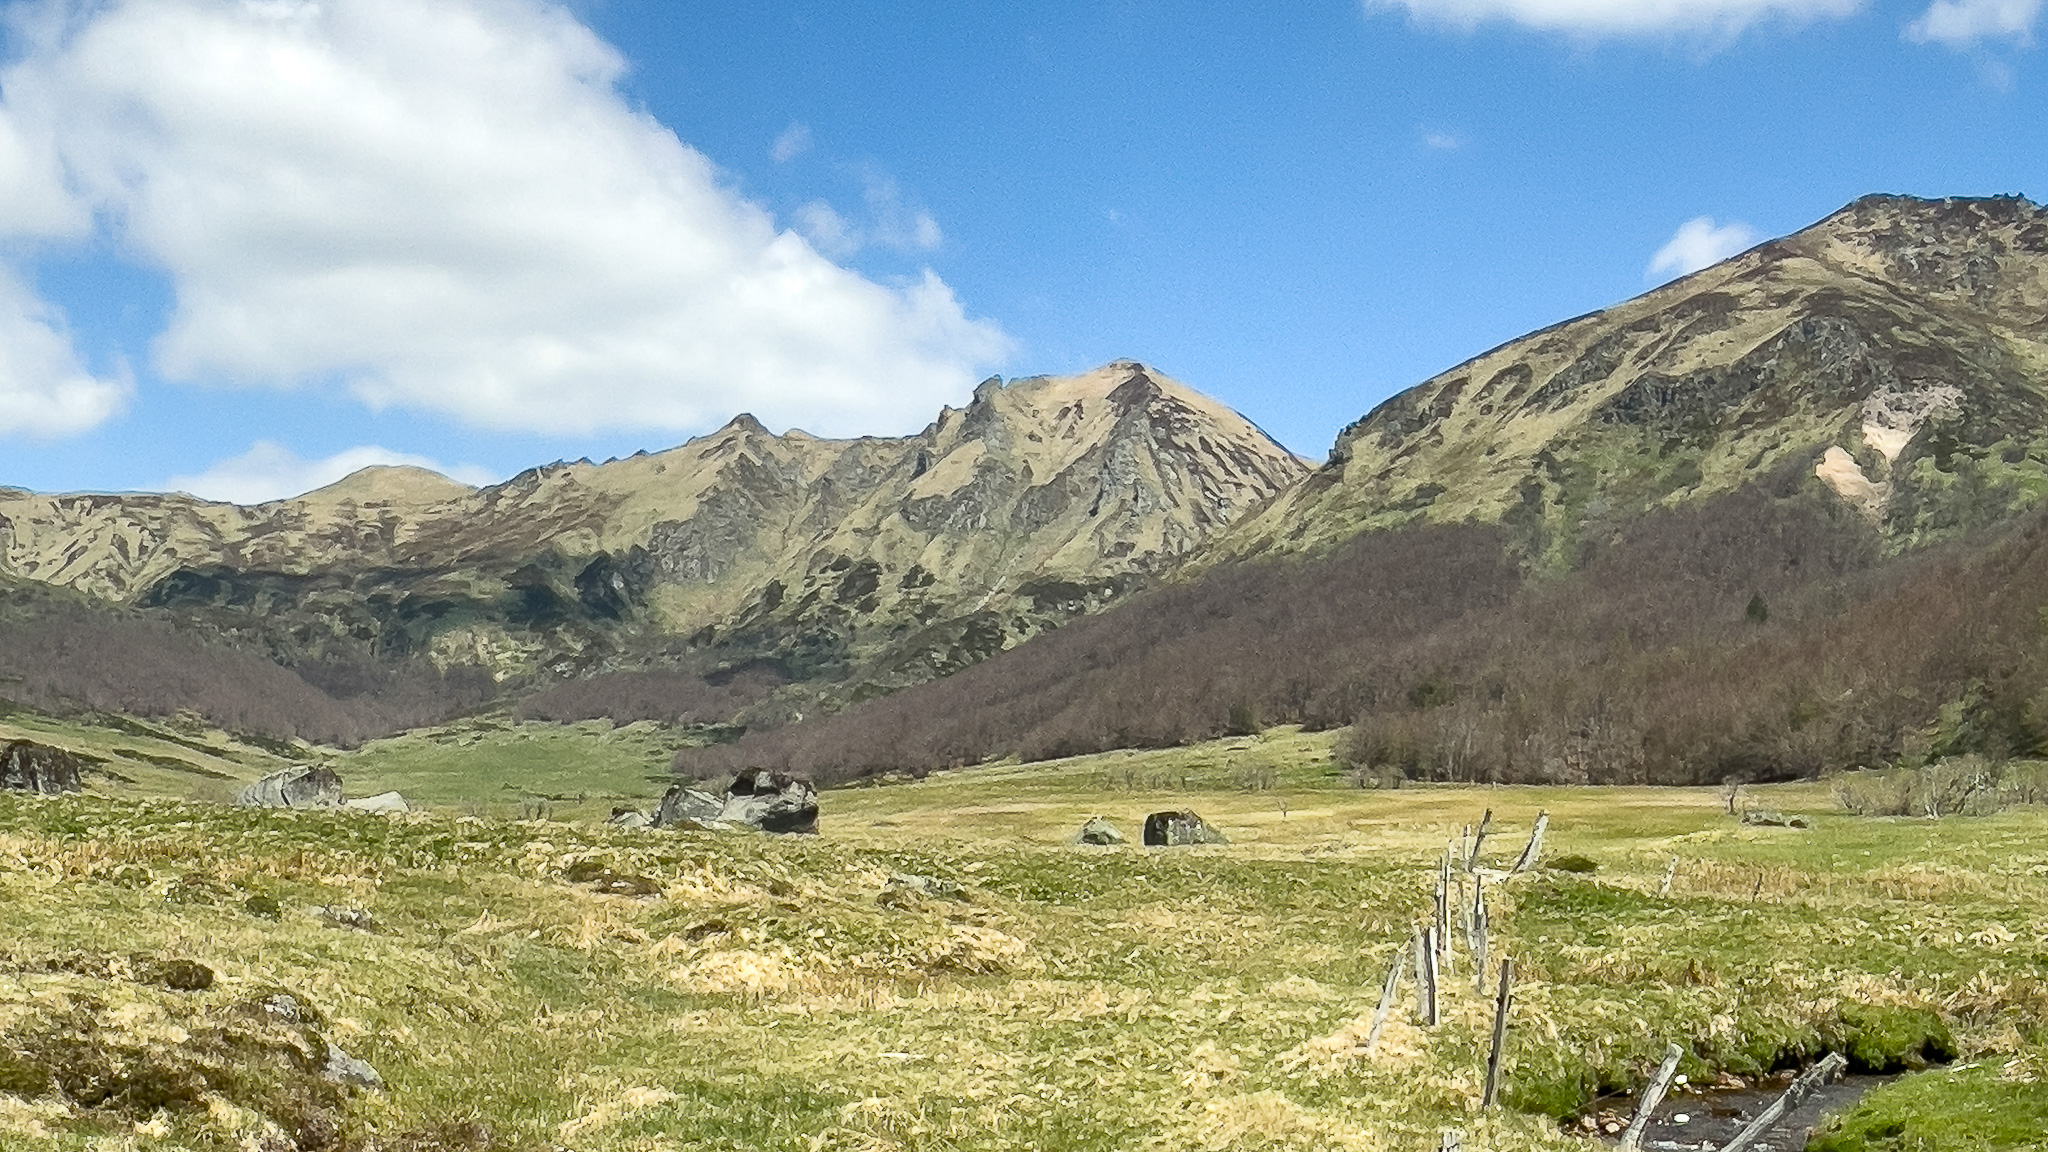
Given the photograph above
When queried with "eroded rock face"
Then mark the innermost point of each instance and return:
(300, 787)
(771, 802)
(1173, 829)
(26, 766)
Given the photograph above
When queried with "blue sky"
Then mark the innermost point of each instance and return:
(250, 244)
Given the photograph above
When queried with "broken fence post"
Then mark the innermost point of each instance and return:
(1453, 1141)
(1443, 915)
(1502, 999)
(1388, 991)
(1794, 1096)
(1421, 950)
(1534, 851)
(1653, 1095)
(1472, 857)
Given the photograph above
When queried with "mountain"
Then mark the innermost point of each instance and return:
(869, 563)
(1899, 347)
(1781, 516)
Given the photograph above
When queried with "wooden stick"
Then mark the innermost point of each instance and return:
(1502, 999)
(1421, 950)
(1653, 1095)
(1429, 1006)
(1794, 1096)
(1387, 993)
(1472, 857)
(1477, 940)
(1534, 851)
(1443, 915)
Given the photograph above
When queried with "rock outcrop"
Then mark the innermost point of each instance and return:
(300, 787)
(26, 766)
(1173, 829)
(1098, 831)
(771, 802)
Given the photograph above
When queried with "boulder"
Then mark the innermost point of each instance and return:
(383, 803)
(26, 766)
(1171, 829)
(300, 787)
(1098, 831)
(771, 802)
(681, 803)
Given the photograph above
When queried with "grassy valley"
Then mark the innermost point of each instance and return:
(941, 969)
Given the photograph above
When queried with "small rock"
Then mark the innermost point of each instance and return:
(630, 818)
(346, 1070)
(358, 919)
(263, 907)
(1098, 831)
(1764, 817)
(910, 884)
(285, 1008)
(1681, 1118)
(180, 975)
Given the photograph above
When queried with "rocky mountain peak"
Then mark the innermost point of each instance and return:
(892, 559)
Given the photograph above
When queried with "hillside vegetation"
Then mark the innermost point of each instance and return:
(1780, 517)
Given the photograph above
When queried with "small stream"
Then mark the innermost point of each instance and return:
(1697, 1117)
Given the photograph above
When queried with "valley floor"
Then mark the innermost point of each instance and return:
(940, 969)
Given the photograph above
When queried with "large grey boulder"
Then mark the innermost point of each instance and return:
(680, 804)
(300, 787)
(26, 766)
(771, 802)
(383, 803)
(1171, 829)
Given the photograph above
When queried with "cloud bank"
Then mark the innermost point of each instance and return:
(1620, 17)
(1700, 243)
(270, 471)
(443, 205)
(1962, 23)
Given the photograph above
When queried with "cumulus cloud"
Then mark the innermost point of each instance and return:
(446, 205)
(1700, 243)
(1620, 17)
(1962, 23)
(44, 390)
(270, 471)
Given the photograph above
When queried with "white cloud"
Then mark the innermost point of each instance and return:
(891, 223)
(1620, 17)
(1698, 244)
(44, 390)
(1441, 141)
(270, 471)
(794, 142)
(446, 205)
(1961, 23)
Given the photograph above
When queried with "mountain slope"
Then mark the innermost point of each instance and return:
(1900, 345)
(1782, 516)
(896, 558)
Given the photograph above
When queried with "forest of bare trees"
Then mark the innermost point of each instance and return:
(1761, 635)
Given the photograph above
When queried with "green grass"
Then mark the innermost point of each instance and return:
(784, 993)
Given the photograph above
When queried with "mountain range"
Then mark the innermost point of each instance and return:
(1546, 563)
